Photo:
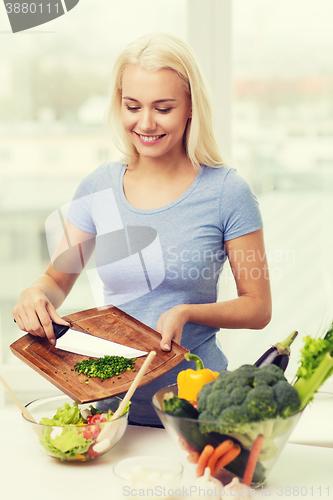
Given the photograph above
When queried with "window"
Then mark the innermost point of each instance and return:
(282, 125)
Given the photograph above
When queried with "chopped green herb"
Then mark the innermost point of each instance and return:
(106, 367)
(64, 373)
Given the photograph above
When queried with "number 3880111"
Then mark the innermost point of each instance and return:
(31, 8)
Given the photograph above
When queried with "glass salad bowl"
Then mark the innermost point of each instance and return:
(71, 432)
(191, 436)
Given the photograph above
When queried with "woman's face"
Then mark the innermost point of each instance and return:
(155, 110)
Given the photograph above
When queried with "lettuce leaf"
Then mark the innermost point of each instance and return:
(66, 415)
(66, 445)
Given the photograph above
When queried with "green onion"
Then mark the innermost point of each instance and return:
(106, 367)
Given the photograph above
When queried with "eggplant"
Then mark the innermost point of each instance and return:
(278, 354)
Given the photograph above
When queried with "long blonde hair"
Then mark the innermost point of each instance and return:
(164, 51)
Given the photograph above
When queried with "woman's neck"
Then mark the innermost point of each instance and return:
(163, 168)
(149, 183)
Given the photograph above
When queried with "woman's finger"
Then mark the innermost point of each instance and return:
(19, 323)
(46, 324)
(55, 316)
(165, 343)
(34, 325)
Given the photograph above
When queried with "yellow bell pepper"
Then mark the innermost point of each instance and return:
(190, 381)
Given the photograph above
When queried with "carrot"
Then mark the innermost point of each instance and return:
(193, 457)
(219, 451)
(227, 457)
(203, 459)
(252, 460)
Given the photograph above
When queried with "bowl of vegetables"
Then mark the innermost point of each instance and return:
(231, 446)
(65, 430)
(236, 423)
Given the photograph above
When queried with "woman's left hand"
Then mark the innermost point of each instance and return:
(170, 326)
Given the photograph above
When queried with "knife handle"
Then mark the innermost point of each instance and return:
(59, 330)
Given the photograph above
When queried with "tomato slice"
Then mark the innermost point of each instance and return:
(97, 419)
(88, 432)
(91, 452)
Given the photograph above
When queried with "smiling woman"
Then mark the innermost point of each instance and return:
(153, 54)
(156, 127)
(172, 180)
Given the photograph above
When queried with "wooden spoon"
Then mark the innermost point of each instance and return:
(23, 409)
(106, 431)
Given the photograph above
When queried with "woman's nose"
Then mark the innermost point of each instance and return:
(147, 121)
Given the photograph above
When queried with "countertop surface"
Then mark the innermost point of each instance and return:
(302, 470)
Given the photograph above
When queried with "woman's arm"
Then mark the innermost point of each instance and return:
(251, 309)
(37, 305)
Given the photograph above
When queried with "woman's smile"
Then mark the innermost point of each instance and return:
(149, 140)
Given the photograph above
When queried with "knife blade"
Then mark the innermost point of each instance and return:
(71, 340)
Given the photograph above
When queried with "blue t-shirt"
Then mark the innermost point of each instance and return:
(152, 260)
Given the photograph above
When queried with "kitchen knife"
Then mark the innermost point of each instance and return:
(85, 344)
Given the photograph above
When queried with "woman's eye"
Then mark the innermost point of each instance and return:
(163, 110)
(132, 108)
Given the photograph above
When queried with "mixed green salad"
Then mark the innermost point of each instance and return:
(72, 432)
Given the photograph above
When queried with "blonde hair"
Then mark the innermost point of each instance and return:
(163, 51)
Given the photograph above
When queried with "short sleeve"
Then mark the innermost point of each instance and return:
(80, 209)
(240, 212)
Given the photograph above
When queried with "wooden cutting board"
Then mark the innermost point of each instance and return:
(109, 323)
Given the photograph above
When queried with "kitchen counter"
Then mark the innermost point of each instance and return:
(26, 472)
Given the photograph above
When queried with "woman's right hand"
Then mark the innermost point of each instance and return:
(34, 314)
(36, 308)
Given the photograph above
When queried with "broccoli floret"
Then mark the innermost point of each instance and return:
(235, 414)
(268, 375)
(203, 394)
(229, 380)
(250, 386)
(238, 395)
(217, 401)
(205, 415)
(223, 380)
(248, 369)
(287, 398)
(261, 403)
